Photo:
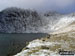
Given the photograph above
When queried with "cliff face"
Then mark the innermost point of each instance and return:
(16, 20)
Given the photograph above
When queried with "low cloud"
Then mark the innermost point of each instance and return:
(20, 3)
(36, 4)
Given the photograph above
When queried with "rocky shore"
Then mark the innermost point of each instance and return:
(50, 45)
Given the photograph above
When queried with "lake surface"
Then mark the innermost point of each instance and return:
(11, 44)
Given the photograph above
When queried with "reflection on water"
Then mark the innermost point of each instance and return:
(13, 43)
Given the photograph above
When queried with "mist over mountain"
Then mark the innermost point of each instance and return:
(17, 20)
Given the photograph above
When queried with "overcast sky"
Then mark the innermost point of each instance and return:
(63, 6)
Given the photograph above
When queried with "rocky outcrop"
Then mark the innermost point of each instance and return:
(50, 45)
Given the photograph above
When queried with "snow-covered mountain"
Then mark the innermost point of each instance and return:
(16, 20)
